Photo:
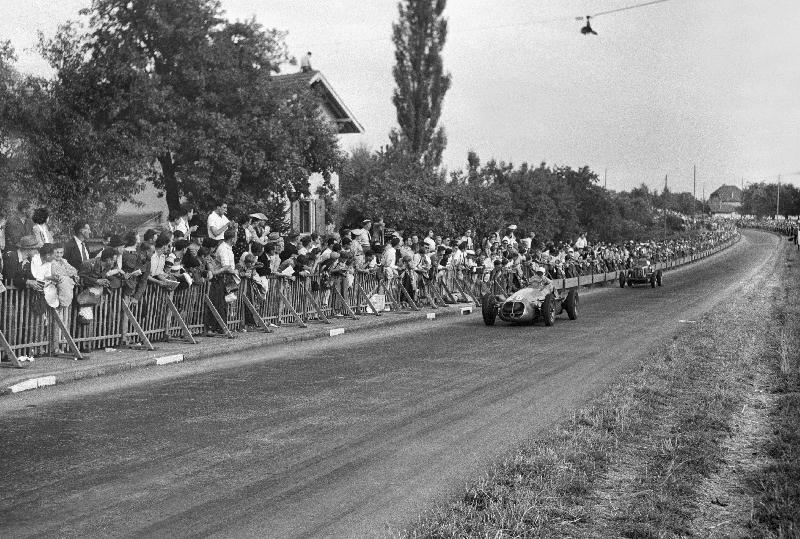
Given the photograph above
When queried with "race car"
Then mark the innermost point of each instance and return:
(530, 304)
(640, 272)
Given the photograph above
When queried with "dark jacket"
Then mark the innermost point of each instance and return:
(15, 272)
(288, 250)
(16, 230)
(91, 271)
(72, 254)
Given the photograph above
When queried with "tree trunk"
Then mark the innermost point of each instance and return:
(170, 182)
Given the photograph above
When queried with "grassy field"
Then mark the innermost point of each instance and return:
(702, 439)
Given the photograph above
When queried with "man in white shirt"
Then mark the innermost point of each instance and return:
(389, 261)
(581, 242)
(225, 250)
(361, 235)
(218, 222)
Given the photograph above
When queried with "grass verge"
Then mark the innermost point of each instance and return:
(631, 464)
(777, 483)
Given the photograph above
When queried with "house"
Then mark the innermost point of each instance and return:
(306, 214)
(725, 201)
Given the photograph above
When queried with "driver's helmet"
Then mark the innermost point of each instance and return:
(539, 270)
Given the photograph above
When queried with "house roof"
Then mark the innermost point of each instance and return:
(293, 82)
(727, 193)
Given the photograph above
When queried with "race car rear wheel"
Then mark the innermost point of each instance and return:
(571, 304)
(622, 279)
(652, 281)
(488, 309)
(549, 310)
(658, 277)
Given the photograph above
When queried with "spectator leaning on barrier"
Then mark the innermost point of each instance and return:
(17, 264)
(75, 251)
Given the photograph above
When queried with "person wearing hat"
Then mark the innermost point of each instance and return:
(362, 235)
(17, 264)
(512, 239)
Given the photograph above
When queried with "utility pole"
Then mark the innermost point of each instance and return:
(605, 180)
(694, 191)
(778, 206)
(664, 195)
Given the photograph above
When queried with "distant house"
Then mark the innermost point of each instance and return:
(726, 201)
(305, 215)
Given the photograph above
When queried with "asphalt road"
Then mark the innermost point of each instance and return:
(338, 438)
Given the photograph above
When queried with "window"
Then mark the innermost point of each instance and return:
(306, 216)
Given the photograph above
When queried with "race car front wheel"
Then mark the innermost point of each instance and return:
(488, 309)
(549, 310)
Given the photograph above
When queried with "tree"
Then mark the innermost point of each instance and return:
(192, 93)
(419, 36)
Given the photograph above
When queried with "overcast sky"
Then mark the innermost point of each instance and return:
(714, 83)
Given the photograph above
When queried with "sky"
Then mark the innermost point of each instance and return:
(708, 83)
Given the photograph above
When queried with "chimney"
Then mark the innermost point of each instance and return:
(305, 62)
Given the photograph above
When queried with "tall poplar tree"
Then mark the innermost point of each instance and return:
(419, 36)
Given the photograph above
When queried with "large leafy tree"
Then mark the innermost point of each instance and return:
(192, 95)
(419, 36)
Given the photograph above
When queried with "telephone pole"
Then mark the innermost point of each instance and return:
(605, 180)
(664, 196)
(778, 206)
(694, 191)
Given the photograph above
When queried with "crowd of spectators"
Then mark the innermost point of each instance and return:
(188, 250)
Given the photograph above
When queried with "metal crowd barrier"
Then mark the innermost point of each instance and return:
(162, 315)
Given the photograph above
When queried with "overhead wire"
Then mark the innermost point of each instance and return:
(530, 22)
(634, 6)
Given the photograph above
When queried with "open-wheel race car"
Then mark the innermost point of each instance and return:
(530, 304)
(640, 272)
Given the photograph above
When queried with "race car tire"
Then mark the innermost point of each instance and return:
(549, 310)
(571, 304)
(659, 277)
(652, 281)
(622, 280)
(488, 309)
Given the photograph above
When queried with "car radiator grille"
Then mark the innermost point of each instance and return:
(513, 310)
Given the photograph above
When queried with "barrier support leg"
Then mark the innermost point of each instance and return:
(127, 315)
(173, 310)
(288, 304)
(464, 292)
(366, 297)
(449, 293)
(218, 317)
(350, 313)
(408, 297)
(316, 306)
(387, 290)
(12, 357)
(254, 312)
(436, 293)
(429, 294)
(54, 316)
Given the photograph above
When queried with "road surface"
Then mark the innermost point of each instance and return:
(340, 437)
